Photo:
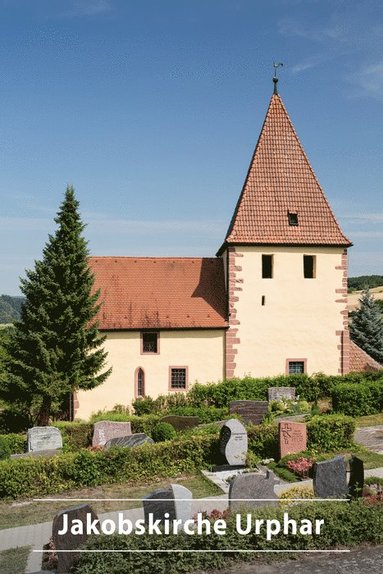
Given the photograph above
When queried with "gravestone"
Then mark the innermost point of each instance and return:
(281, 393)
(44, 438)
(253, 487)
(251, 411)
(330, 478)
(292, 437)
(233, 442)
(69, 541)
(176, 500)
(106, 430)
(181, 422)
(356, 482)
(129, 441)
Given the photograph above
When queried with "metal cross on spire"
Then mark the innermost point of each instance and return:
(275, 78)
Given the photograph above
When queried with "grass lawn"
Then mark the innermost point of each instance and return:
(14, 561)
(28, 512)
(370, 420)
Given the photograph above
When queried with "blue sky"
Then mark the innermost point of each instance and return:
(152, 109)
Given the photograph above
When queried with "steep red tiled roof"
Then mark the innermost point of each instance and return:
(160, 293)
(280, 180)
(360, 361)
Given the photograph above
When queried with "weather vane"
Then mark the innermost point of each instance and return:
(275, 78)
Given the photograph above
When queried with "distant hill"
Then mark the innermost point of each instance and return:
(10, 308)
(363, 281)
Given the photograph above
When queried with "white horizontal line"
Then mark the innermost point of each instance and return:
(188, 551)
(190, 499)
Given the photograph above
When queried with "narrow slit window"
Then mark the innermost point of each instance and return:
(263, 300)
(293, 218)
(267, 266)
(140, 383)
(309, 266)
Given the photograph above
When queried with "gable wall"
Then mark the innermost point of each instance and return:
(201, 351)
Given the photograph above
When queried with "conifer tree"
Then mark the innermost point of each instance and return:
(366, 328)
(56, 348)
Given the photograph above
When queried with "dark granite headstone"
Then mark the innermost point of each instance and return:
(292, 437)
(233, 442)
(44, 438)
(70, 541)
(175, 500)
(281, 393)
(181, 422)
(253, 487)
(356, 482)
(129, 441)
(106, 430)
(251, 411)
(330, 478)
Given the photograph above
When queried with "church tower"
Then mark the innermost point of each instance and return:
(285, 260)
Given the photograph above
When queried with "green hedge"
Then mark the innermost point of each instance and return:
(40, 476)
(358, 400)
(345, 525)
(12, 444)
(326, 433)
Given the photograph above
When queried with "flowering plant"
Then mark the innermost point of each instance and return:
(300, 466)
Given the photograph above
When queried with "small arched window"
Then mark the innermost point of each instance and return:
(140, 383)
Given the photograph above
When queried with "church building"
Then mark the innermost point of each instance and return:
(272, 301)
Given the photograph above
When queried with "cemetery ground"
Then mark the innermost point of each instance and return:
(257, 443)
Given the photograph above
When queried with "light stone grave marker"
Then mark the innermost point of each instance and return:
(175, 500)
(233, 442)
(281, 393)
(106, 430)
(44, 438)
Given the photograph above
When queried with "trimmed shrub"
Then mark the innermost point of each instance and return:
(345, 525)
(40, 476)
(75, 435)
(358, 399)
(163, 432)
(12, 444)
(326, 433)
(144, 406)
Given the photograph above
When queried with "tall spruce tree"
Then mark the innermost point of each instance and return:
(366, 328)
(56, 348)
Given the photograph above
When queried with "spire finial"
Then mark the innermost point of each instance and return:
(275, 79)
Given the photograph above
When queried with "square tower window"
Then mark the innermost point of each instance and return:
(150, 343)
(309, 265)
(293, 218)
(296, 367)
(267, 266)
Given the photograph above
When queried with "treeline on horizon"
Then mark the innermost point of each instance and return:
(10, 306)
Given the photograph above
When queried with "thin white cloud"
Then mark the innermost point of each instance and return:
(364, 218)
(330, 31)
(367, 81)
(83, 8)
(137, 227)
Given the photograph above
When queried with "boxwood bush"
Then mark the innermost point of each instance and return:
(358, 399)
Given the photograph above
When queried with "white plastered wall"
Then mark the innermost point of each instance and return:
(300, 317)
(201, 351)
